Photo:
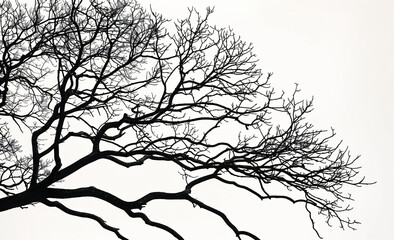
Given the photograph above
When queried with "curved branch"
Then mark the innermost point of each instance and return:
(149, 222)
(237, 232)
(69, 211)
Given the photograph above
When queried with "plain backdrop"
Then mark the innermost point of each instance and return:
(341, 52)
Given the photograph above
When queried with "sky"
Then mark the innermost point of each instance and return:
(341, 52)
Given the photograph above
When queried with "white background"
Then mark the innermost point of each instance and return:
(339, 51)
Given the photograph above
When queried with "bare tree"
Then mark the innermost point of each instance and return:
(114, 76)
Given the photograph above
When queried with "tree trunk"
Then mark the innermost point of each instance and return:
(21, 199)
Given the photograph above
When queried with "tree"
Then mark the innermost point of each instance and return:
(132, 89)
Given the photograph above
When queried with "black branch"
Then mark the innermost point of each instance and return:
(136, 88)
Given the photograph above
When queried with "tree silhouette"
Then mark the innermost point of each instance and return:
(133, 87)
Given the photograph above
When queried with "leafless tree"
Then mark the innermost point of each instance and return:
(135, 87)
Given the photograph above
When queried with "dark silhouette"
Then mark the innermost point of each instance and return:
(133, 89)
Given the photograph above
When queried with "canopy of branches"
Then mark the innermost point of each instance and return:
(135, 87)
